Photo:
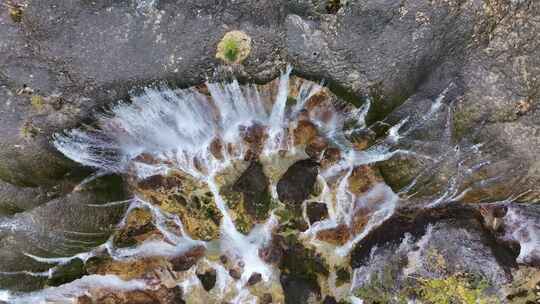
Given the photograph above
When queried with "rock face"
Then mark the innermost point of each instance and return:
(59, 228)
(460, 78)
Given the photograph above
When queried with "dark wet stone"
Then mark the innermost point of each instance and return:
(298, 290)
(235, 273)
(266, 298)
(273, 252)
(329, 300)
(224, 260)
(188, 259)
(316, 212)
(253, 184)
(298, 182)
(66, 273)
(208, 279)
(159, 181)
(84, 300)
(343, 276)
(302, 263)
(177, 295)
(254, 279)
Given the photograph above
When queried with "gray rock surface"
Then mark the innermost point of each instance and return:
(61, 227)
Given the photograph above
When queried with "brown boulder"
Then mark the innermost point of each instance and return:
(338, 235)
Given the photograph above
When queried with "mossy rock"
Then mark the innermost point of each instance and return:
(191, 200)
(138, 227)
(234, 47)
(66, 273)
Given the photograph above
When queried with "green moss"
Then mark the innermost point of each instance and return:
(302, 262)
(333, 6)
(382, 287)
(15, 12)
(455, 289)
(29, 131)
(37, 102)
(343, 276)
(291, 101)
(452, 289)
(67, 273)
(234, 47)
(231, 49)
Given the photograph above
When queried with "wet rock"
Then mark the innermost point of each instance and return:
(138, 227)
(255, 136)
(301, 264)
(343, 276)
(363, 178)
(188, 259)
(330, 157)
(362, 139)
(298, 182)
(316, 212)
(15, 199)
(299, 290)
(304, 132)
(316, 147)
(266, 299)
(235, 273)
(273, 252)
(516, 225)
(458, 223)
(338, 235)
(66, 273)
(451, 252)
(160, 296)
(63, 227)
(216, 148)
(190, 199)
(84, 300)
(254, 279)
(524, 286)
(127, 269)
(253, 184)
(329, 300)
(208, 279)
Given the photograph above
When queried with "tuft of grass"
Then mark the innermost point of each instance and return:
(15, 11)
(231, 48)
(234, 47)
(37, 102)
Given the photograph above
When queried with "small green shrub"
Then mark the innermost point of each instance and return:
(231, 49)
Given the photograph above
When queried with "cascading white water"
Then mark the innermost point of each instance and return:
(177, 128)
